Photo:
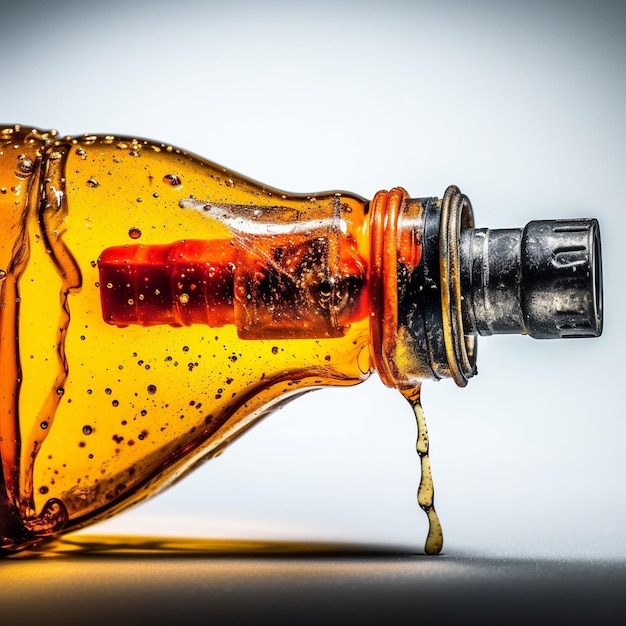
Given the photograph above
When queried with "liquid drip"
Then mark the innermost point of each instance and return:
(426, 489)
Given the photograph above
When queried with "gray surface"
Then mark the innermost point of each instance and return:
(146, 582)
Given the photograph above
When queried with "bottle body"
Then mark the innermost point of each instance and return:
(113, 385)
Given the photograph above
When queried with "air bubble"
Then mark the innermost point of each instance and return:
(183, 298)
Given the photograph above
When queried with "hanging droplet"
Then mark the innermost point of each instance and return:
(426, 489)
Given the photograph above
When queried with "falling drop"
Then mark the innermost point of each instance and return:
(426, 489)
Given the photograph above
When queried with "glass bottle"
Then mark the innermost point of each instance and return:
(154, 305)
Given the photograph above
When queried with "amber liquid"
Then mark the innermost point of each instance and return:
(101, 410)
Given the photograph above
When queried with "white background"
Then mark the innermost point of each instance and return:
(519, 103)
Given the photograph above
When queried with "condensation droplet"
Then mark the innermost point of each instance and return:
(43, 425)
(93, 183)
(25, 167)
(3, 274)
(87, 430)
(230, 182)
(183, 298)
(172, 179)
(152, 389)
(115, 403)
(134, 233)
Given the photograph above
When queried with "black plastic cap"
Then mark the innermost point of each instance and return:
(544, 280)
(562, 279)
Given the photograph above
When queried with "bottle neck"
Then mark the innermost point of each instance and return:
(416, 330)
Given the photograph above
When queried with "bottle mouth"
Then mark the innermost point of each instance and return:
(417, 329)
